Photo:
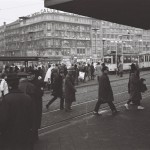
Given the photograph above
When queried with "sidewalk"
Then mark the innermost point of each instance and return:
(129, 130)
(111, 77)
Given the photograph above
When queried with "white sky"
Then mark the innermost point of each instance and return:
(11, 10)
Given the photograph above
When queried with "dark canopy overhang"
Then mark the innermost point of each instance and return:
(134, 13)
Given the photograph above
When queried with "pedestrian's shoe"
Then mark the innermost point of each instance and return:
(68, 110)
(96, 113)
(126, 106)
(61, 108)
(140, 107)
(115, 112)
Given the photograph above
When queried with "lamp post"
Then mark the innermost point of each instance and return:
(103, 40)
(95, 30)
(31, 38)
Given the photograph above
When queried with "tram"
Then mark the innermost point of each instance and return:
(142, 60)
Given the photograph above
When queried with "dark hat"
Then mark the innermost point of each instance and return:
(22, 74)
(55, 70)
(61, 71)
(133, 66)
(12, 79)
(12, 76)
(32, 72)
(105, 68)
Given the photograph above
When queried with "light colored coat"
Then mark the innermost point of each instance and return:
(48, 75)
(4, 86)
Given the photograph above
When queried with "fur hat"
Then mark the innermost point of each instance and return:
(105, 68)
(133, 66)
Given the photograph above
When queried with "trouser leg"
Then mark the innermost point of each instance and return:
(112, 106)
(68, 105)
(61, 102)
(129, 101)
(52, 100)
(137, 102)
(97, 106)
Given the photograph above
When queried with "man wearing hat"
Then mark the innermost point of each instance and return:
(16, 116)
(134, 88)
(57, 87)
(105, 93)
(32, 87)
(69, 89)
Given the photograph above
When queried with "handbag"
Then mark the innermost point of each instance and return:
(143, 86)
(81, 75)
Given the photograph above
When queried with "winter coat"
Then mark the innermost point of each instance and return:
(30, 89)
(16, 115)
(48, 75)
(105, 93)
(39, 86)
(57, 86)
(134, 87)
(69, 89)
(98, 70)
(4, 86)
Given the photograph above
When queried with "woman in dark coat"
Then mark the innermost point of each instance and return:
(105, 93)
(57, 86)
(134, 88)
(69, 89)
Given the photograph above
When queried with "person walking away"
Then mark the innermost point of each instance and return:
(27, 86)
(16, 118)
(98, 70)
(3, 85)
(89, 71)
(76, 74)
(120, 68)
(92, 71)
(105, 93)
(69, 90)
(134, 88)
(47, 78)
(57, 88)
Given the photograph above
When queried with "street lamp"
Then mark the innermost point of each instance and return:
(103, 40)
(95, 30)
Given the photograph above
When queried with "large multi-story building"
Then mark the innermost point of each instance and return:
(60, 35)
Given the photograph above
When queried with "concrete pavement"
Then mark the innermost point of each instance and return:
(129, 130)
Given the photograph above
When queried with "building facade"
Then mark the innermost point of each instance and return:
(68, 36)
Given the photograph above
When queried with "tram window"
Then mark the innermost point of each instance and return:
(107, 60)
(141, 58)
(146, 58)
(127, 59)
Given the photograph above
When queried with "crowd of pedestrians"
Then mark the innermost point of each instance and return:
(22, 90)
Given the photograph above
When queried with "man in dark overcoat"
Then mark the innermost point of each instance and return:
(57, 87)
(16, 115)
(105, 93)
(69, 89)
(31, 87)
(134, 88)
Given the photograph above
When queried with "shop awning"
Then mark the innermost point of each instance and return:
(134, 13)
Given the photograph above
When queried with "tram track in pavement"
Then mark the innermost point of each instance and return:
(66, 122)
(95, 86)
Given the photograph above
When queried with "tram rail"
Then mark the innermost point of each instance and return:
(96, 85)
(64, 122)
